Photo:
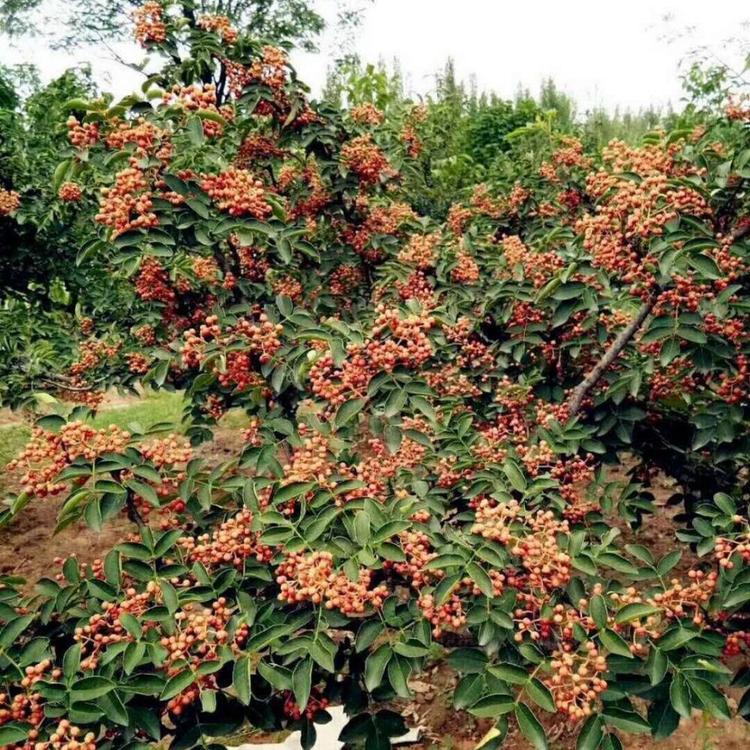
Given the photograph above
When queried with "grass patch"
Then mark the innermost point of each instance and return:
(152, 408)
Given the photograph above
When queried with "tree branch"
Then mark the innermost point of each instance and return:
(613, 351)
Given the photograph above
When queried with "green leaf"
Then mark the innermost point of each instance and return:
(375, 665)
(635, 612)
(679, 696)
(509, 673)
(348, 411)
(541, 695)
(12, 735)
(90, 688)
(146, 491)
(627, 720)
(713, 701)
(515, 475)
(530, 727)
(11, 632)
(614, 643)
(656, 665)
(289, 491)
(663, 719)
(492, 706)
(591, 734)
(302, 682)
(241, 679)
(175, 685)
(481, 578)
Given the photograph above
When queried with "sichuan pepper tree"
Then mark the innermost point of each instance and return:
(433, 410)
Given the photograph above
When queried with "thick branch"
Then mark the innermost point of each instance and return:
(613, 351)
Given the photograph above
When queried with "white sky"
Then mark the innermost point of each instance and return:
(604, 53)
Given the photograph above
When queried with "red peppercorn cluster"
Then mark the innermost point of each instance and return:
(231, 543)
(466, 270)
(531, 537)
(576, 681)
(418, 551)
(70, 192)
(448, 615)
(412, 142)
(128, 203)
(345, 279)
(630, 212)
(315, 704)
(149, 24)
(393, 341)
(201, 632)
(313, 578)
(10, 202)
(48, 453)
(67, 736)
(200, 97)
(259, 340)
(27, 707)
(143, 134)
(366, 114)
(421, 251)
(735, 389)
(363, 157)
(138, 363)
(82, 135)
(288, 286)
(152, 283)
(458, 218)
(484, 205)
(537, 267)
(238, 192)
(221, 25)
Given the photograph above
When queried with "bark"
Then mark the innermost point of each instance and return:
(615, 348)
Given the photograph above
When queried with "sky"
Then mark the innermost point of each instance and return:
(605, 54)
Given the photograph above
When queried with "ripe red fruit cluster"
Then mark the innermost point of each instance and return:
(138, 363)
(48, 453)
(221, 25)
(421, 251)
(466, 270)
(10, 202)
(363, 157)
(315, 704)
(82, 135)
(149, 24)
(231, 543)
(128, 203)
(576, 681)
(152, 284)
(448, 615)
(238, 192)
(314, 578)
(366, 114)
(70, 192)
(345, 279)
(393, 341)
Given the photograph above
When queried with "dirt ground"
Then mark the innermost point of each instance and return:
(28, 549)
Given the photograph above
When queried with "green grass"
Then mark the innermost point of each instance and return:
(153, 407)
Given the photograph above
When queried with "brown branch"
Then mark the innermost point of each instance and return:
(133, 512)
(615, 348)
(613, 352)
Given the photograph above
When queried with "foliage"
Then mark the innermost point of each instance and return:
(435, 409)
